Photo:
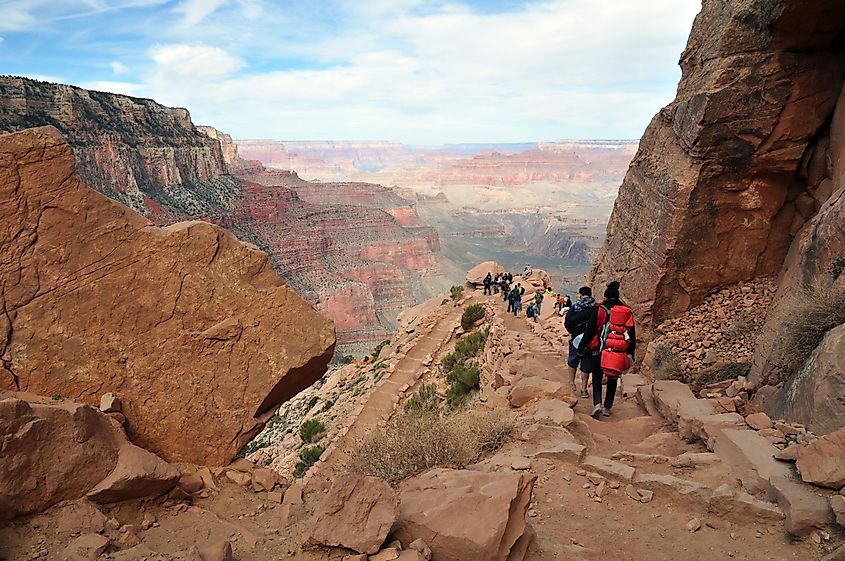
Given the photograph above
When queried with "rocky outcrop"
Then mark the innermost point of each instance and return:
(54, 452)
(465, 514)
(823, 461)
(125, 147)
(726, 174)
(191, 328)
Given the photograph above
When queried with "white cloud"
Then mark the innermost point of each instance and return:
(125, 88)
(119, 68)
(556, 68)
(197, 10)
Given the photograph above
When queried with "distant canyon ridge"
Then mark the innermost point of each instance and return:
(360, 230)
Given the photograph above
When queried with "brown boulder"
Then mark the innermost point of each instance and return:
(476, 274)
(759, 421)
(50, 453)
(86, 547)
(209, 342)
(822, 462)
(357, 513)
(138, 473)
(465, 514)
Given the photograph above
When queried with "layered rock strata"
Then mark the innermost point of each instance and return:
(719, 186)
(190, 327)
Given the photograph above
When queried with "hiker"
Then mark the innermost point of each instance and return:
(511, 296)
(505, 288)
(496, 283)
(611, 337)
(516, 296)
(526, 272)
(550, 291)
(567, 302)
(575, 321)
(559, 303)
(510, 278)
(531, 311)
(488, 280)
(538, 302)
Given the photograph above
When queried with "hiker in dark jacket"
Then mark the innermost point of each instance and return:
(575, 321)
(488, 281)
(496, 281)
(591, 343)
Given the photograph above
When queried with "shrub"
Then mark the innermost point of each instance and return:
(424, 401)
(414, 443)
(836, 268)
(730, 371)
(444, 302)
(804, 321)
(379, 347)
(311, 431)
(312, 402)
(456, 292)
(466, 348)
(471, 315)
(666, 365)
(462, 381)
(347, 359)
(307, 457)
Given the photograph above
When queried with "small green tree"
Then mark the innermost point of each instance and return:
(307, 457)
(311, 430)
(471, 315)
(456, 292)
(424, 401)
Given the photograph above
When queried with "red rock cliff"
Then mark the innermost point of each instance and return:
(190, 327)
(719, 186)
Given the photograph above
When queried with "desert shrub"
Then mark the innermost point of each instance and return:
(311, 430)
(312, 402)
(456, 292)
(466, 348)
(666, 365)
(462, 380)
(347, 359)
(471, 315)
(307, 457)
(444, 302)
(729, 371)
(414, 443)
(804, 321)
(327, 405)
(424, 401)
(836, 268)
(379, 347)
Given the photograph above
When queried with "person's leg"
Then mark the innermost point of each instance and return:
(597, 410)
(572, 361)
(587, 362)
(611, 393)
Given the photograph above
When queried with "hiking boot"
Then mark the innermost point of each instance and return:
(585, 393)
(573, 387)
(596, 412)
(605, 411)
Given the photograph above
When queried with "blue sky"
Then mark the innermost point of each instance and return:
(414, 71)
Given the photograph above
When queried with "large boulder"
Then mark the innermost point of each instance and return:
(465, 515)
(54, 452)
(191, 328)
(476, 274)
(357, 513)
(719, 187)
(822, 462)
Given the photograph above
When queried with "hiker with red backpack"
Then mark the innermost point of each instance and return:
(610, 336)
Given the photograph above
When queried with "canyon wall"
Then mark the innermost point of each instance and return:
(716, 192)
(190, 327)
(125, 147)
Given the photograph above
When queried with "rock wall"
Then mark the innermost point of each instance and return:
(190, 327)
(719, 186)
(124, 146)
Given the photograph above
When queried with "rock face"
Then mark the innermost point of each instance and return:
(464, 514)
(357, 514)
(721, 181)
(199, 338)
(476, 274)
(50, 453)
(124, 146)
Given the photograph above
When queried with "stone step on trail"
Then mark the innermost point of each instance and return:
(805, 511)
(750, 457)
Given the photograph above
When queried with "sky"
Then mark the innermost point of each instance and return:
(414, 71)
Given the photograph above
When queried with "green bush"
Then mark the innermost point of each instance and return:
(456, 292)
(424, 401)
(471, 315)
(312, 402)
(311, 431)
(444, 302)
(307, 457)
(379, 347)
(467, 347)
(462, 380)
(327, 405)
(347, 359)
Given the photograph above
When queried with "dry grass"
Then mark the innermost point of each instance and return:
(803, 323)
(414, 443)
(666, 364)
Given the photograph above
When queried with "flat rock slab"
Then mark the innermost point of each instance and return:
(672, 396)
(751, 458)
(683, 487)
(608, 468)
(805, 511)
(741, 507)
(553, 411)
(822, 462)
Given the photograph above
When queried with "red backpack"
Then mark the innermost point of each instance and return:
(614, 340)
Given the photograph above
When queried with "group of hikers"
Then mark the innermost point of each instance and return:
(602, 337)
